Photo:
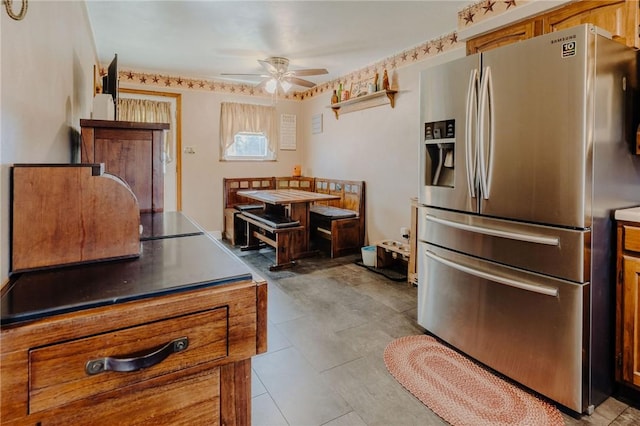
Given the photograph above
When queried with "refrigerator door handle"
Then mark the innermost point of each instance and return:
(529, 238)
(486, 107)
(540, 289)
(470, 153)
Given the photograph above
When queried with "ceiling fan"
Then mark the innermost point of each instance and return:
(280, 77)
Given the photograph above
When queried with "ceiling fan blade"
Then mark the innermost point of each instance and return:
(309, 71)
(267, 66)
(254, 75)
(299, 81)
(261, 85)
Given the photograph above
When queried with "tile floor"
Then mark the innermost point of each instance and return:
(329, 321)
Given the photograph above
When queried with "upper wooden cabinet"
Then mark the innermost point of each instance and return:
(618, 17)
(131, 151)
(511, 34)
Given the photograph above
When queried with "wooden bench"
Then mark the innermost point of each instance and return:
(339, 223)
(273, 229)
(234, 229)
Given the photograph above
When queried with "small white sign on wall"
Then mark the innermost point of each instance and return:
(288, 131)
(316, 124)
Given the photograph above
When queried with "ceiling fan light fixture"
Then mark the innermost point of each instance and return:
(279, 77)
(271, 86)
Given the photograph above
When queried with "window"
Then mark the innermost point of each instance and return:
(248, 146)
(247, 132)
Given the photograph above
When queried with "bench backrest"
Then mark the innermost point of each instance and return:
(301, 183)
(351, 193)
(231, 186)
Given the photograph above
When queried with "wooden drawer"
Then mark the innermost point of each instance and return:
(631, 238)
(58, 375)
(167, 400)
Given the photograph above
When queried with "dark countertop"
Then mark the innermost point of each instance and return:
(167, 225)
(165, 265)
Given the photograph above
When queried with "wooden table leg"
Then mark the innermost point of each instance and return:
(283, 251)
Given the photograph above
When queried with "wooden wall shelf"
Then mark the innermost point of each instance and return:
(381, 97)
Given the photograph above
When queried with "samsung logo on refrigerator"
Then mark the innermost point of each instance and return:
(561, 39)
(568, 45)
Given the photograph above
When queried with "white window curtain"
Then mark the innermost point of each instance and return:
(148, 111)
(236, 118)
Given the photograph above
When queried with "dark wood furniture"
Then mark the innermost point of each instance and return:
(187, 310)
(628, 304)
(338, 235)
(132, 151)
(296, 244)
(281, 239)
(621, 18)
(343, 234)
(234, 230)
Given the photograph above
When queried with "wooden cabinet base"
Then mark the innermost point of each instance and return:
(46, 379)
(628, 305)
(172, 399)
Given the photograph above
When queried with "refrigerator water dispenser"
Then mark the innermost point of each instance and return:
(439, 139)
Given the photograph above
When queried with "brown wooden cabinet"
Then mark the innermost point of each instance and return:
(628, 304)
(502, 37)
(618, 17)
(132, 151)
(621, 18)
(51, 367)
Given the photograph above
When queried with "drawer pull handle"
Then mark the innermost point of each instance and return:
(99, 365)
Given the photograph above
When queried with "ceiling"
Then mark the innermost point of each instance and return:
(202, 39)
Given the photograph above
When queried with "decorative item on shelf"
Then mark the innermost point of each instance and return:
(355, 89)
(376, 86)
(340, 92)
(334, 97)
(345, 95)
(385, 80)
(297, 170)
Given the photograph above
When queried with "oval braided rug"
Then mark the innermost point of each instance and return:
(459, 390)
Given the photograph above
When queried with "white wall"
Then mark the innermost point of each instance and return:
(379, 145)
(46, 87)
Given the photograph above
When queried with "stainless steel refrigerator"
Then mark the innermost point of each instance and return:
(526, 152)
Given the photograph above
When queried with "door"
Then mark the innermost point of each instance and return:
(448, 141)
(631, 327)
(535, 126)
